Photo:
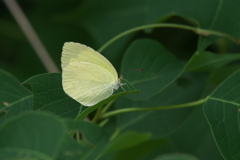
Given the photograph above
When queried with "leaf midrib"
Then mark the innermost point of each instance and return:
(224, 101)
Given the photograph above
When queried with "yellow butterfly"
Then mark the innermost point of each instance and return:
(88, 77)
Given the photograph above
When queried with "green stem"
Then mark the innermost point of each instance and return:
(107, 107)
(101, 111)
(199, 31)
(96, 116)
(190, 104)
(77, 136)
(102, 123)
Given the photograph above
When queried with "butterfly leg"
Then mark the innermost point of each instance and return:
(122, 84)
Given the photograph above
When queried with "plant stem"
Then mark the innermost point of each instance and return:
(31, 35)
(107, 107)
(199, 31)
(190, 104)
(96, 116)
(101, 111)
(102, 123)
(77, 136)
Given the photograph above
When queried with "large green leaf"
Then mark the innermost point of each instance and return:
(14, 98)
(184, 139)
(33, 132)
(161, 123)
(222, 113)
(48, 95)
(217, 15)
(41, 135)
(125, 141)
(144, 151)
(160, 67)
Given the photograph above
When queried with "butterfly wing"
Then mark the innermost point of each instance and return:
(88, 83)
(88, 77)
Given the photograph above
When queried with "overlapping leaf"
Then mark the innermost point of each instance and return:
(36, 132)
(48, 95)
(14, 98)
(160, 67)
(222, 112)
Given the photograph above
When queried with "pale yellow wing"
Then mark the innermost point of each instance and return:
(76, 52)
(88, 83)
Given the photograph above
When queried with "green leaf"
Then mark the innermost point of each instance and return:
(33, 131)
(14, 98)
(125, 141)
(40, 135)
(186, 89)
(208, 61)
(204, 146)
(222, 113)
(48, 95)
(160, 67)
(176, 156)
(144, 151)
